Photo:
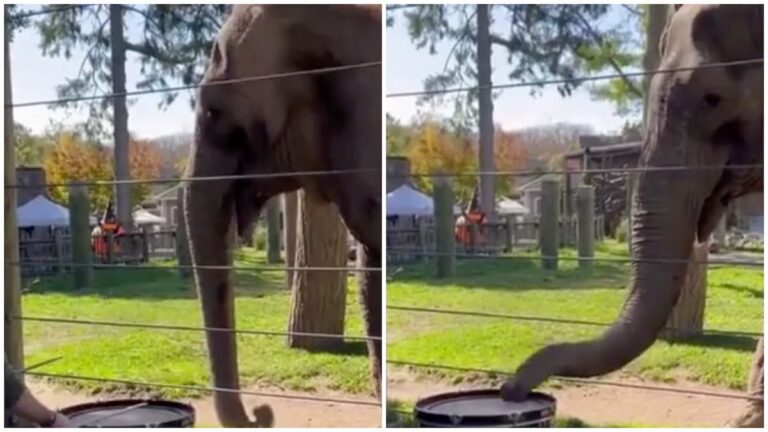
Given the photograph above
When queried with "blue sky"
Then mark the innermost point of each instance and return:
(35, 77)
(406, 68)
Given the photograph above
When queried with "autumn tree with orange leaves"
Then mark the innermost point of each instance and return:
(73, 160)
(435, 148)
(509, 155)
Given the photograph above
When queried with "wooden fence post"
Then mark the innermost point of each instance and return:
(423, 246)
(273, 231)
(586, 218)
(14, 346)
(549, 228)
(59, 245)
(444, 227)
(182, 239)
(145, 249)
(79, 215)
(510, 237)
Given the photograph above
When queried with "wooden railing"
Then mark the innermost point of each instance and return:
(410, 244)
(52, 255)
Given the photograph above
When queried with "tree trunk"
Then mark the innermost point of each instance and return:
(318, 302)
(487, 182)
(273, 230)
(120, 112)
(14, 350)
(290, 202)
(687, 317)
(656, 20)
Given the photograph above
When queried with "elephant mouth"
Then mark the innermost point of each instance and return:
(715, 207)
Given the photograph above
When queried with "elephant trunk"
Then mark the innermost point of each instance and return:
(666, 208)
(209, 215)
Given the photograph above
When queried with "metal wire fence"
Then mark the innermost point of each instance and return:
(498, 373)
(346, 172)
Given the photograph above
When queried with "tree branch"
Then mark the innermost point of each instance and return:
(99, 34)
(599, 40)
(150, 51)
(464, 34)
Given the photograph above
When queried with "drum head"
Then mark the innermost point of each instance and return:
(125, 413)
(484, 408)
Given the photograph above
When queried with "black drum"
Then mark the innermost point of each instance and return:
(131, 413)
(485, 408)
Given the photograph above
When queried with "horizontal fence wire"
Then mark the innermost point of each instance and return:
(41, 364)
(480, 314)
(190, 328)
(268, 77)
(573, 80)
(583, 381)
(233, 177)
(627, 170)
(206, 389)
(736, 262)
(263, 176)
(270, 269)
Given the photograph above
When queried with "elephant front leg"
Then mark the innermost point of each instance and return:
(752, 417)
(369, 287)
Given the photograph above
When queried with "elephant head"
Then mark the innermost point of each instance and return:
(699, 117)
(294, 125)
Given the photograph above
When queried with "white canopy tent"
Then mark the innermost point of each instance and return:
(506, 206)
(143, 217)
(40, 211)
(407, 201)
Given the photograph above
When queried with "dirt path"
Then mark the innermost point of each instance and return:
(288, 413)
(603, 405)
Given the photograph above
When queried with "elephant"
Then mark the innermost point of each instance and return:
(293, 126)
(711, 118)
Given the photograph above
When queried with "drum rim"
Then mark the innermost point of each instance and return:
(187, 410)
(420, 408)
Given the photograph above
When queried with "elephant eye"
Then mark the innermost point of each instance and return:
(212, 114)
(712, 100)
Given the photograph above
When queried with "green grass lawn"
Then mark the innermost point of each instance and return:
(179, 357)
(734, 302)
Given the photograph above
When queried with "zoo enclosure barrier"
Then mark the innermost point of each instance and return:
(425, 249)
(278, 76)
(59, 254)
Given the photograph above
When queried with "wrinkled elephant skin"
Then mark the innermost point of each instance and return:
(298, 124)
(706, 117)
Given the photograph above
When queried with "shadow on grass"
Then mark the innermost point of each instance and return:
(150, 283)
(731, 342)
(754, 292)
(517, 275)
(350, 348)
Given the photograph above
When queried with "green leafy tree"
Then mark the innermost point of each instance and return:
(398, 136)
(540, 41)
(30, 148)
(172, 44)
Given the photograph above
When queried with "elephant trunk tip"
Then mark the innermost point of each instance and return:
(265, 417)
